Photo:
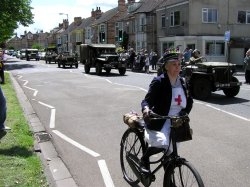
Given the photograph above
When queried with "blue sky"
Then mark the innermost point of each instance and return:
(46, 12)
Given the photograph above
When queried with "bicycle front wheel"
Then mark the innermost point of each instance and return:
(182, 174)
(132, 142)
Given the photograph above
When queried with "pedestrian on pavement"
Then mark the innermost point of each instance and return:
(2, 61)
(147, 63)
(167, 96)
(187, 55)
(3, 110)
(153, 60)
(247, 66)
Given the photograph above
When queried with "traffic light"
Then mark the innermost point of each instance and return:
(120, 37)
(102, 37)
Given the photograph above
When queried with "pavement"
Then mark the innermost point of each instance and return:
(55, 170)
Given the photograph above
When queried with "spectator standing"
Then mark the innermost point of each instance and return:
(187, 55)
(3, 110)
(247, 66)
(154, 60)
(147, 63)
(2, 61)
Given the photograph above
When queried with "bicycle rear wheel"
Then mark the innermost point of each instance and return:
(132, 142)
(183, 174)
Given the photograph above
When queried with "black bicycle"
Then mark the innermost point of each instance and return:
(178, 171)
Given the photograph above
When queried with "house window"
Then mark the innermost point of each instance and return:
(163, 20)
(244, 17)
(102, 36)
(209, 15)
(215, 48)
(175, 18)
(118, 31)
(78, 37)
(167, 45)
(88, 35)
(142, 25)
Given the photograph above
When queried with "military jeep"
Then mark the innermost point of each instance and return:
(207, 77)
(50, 57)
(66, 59)
(101, 56)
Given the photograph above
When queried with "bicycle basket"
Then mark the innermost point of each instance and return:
(132, 119)
(181, 130)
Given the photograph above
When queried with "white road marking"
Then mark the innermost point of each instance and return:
(52, 114)
(76, 144)
(35, 91)
(44, 104)
(229, 113)
(105, 173)
(52, 118)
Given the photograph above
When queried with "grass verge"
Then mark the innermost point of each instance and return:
(19, 164)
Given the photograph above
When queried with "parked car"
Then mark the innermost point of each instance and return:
(41, 55)
(66, 59)
(22, 54)
(101, 56)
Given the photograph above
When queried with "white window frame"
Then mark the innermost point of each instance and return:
(215, 45)
(173, 18)
(78, 37)
(163, 21)
(247, 18)
(209, 13)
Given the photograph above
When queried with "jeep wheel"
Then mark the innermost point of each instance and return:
(201, 88)
(108, 70)
(98, 69)
(87, 68)
(233, 91)
(122, 71)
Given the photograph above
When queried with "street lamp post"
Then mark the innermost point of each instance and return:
(67, 34)
(65, 14)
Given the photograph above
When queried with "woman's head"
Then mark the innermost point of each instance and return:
(172, 64)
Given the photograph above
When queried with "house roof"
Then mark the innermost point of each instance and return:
(149, 5)
(86, 22)
(171, 2)
(106, 16)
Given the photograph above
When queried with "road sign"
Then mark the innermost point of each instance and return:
(227, 36)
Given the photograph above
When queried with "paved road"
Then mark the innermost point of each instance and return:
(83, 113)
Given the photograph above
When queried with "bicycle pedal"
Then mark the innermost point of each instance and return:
(153, 178)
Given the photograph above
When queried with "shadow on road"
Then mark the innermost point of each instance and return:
(105, 74)
(224, 100)
(9, 66)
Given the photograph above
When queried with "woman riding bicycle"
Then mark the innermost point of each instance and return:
(167, 96)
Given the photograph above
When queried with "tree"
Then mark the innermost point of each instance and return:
(12, 14)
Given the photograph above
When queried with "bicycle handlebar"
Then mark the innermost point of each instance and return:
(157, 116)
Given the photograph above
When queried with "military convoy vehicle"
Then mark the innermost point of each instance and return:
(66, 59)
(207, 77)
(31, 54)
(50, 57)
(101, 56)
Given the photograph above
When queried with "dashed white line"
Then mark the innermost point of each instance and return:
(52, 118)
(105, 173)
(76, 144)
(35, 91)
(44, 104)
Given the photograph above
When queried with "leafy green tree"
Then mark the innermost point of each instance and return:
(37, 46)
(12, 14)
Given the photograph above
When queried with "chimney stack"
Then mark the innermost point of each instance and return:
(121, 6)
